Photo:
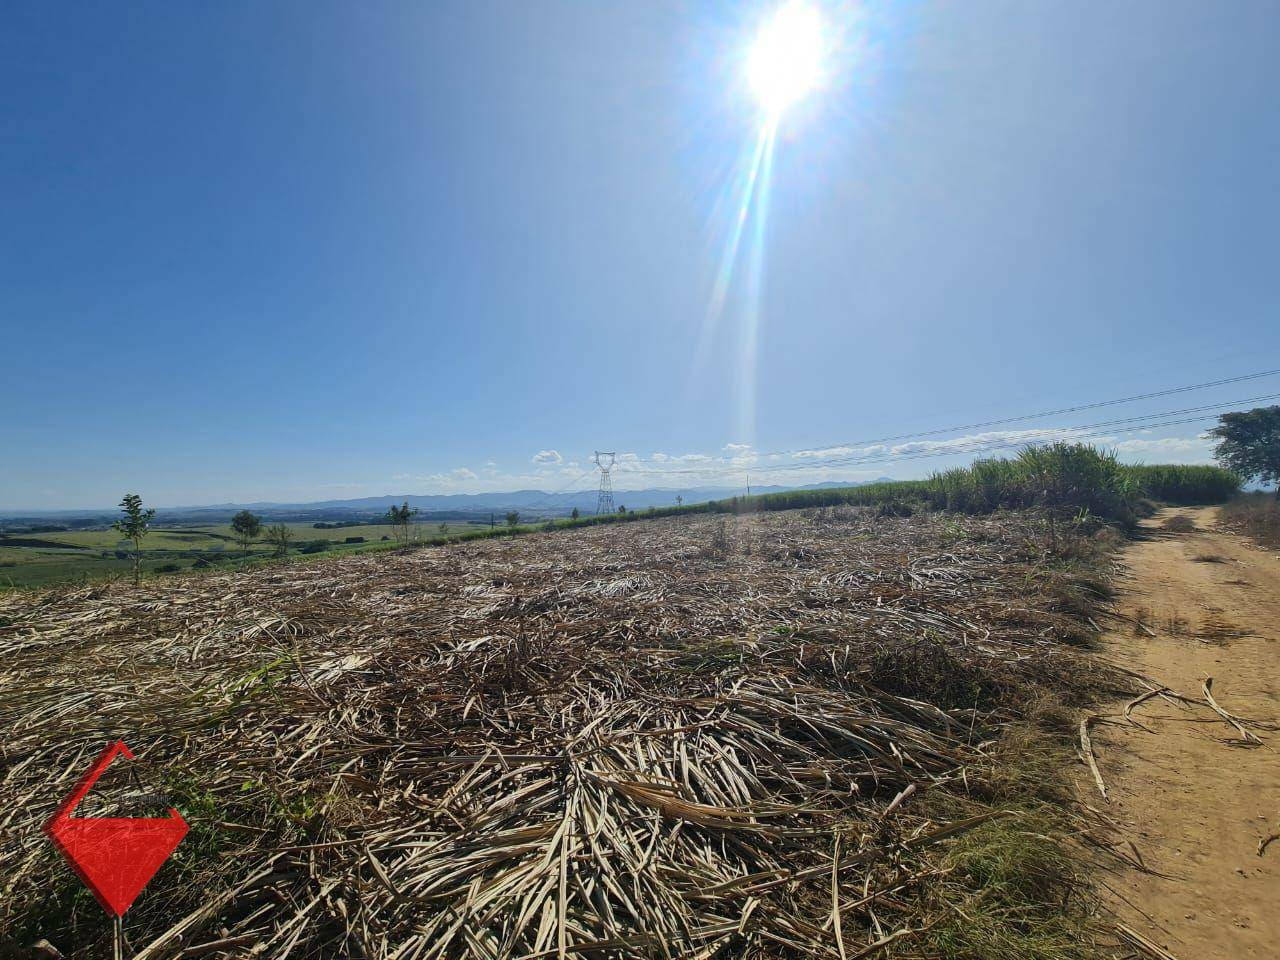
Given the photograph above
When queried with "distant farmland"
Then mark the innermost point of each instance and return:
(46, 558)
(987, 485)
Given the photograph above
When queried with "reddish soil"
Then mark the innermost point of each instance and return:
(1194, 799)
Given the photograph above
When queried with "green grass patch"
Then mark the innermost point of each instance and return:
(1009, 896)
(1014, 887)
(371, 532)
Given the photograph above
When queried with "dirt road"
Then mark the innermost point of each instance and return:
(1190, 795)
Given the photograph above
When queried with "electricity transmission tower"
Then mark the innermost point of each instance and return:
(605, 461)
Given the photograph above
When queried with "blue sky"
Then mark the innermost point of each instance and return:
(296, 251)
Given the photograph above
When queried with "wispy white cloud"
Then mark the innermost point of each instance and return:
(1168, 449)
(999, 442)
(989, 438)
(453, 479)
(844, 462)
(841, 451)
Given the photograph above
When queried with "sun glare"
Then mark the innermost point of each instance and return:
(785, 62)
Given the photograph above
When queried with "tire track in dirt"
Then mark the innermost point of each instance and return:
(1193, 800)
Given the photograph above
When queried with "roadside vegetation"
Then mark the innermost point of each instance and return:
(1249, 444)
(1187, 485)
(1069, 480)
(1256, 515)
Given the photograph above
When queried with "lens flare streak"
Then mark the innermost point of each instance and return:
(785, 63)
(755, 284)
(746, 189)
(751, 209)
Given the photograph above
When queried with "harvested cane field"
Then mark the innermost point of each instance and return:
(763, 736)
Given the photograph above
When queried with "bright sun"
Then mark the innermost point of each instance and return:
(785, 62)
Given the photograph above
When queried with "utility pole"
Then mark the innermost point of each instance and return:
(604, 502)
(748, 483)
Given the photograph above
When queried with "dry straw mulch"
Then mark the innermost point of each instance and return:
(689, 737)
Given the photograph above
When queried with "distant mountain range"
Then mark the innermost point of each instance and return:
(455, 504)
(526, 499)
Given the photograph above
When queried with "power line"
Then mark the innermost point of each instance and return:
(729, 465)
(1007, 444)
(1142, 420)
(992, 446)
(604, 500)
(1046, 413)
(1076, 408)
(1103, 428)
(725, 465)
(977, 445)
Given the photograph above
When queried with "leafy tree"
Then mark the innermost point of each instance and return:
(1249, 444)
(246, 527)
(513, 518)
(134, 525)
(575, 513)
(444, 526)
(400, 517)
(279, 535)
(622, 511)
